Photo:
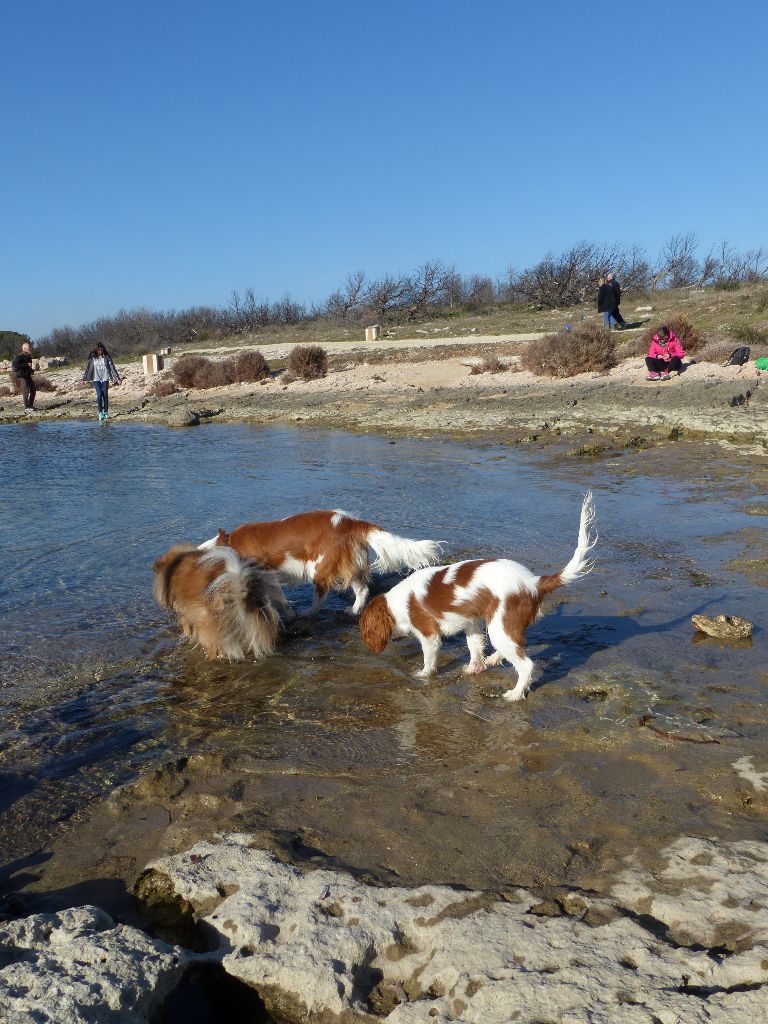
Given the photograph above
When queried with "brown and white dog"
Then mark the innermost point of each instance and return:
(222, 601)
(500, 594)
(328, 548)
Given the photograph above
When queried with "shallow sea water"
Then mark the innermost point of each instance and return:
(95, 686)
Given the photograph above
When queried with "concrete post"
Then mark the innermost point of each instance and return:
(372, 333)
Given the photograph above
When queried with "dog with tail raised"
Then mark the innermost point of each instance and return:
(499, 595)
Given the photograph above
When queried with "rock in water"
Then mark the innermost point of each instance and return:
(724, 627)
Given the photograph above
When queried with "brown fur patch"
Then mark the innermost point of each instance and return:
(420, 618)
(520, 610)
(376, 625)
(441, 595)
(213, 620)
(549, 583)
(341, 551)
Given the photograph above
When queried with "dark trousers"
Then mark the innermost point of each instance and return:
(657, 365)
(28, 391)
(102, 394)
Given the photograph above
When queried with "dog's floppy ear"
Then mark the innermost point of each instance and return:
(222, 539)
(376, 625)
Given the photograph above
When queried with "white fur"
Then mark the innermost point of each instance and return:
(338, 515)
(208, 544)
(245, 632)
(580, 565)
(393, 552)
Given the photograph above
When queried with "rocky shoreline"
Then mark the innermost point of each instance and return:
(682, 943)
(443, 396)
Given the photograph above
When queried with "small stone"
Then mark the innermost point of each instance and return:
(723, 627)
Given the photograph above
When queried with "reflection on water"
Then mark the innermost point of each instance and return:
(94, 684)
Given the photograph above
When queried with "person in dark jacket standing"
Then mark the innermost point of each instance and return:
(22, 367)
(608, 297)
(101, 370)
(611, 280)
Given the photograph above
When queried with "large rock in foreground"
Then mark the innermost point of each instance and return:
(78, 967)
(322, 947)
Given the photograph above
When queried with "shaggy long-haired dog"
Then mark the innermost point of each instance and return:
(500, 594)
(330, 549)
(222, 601)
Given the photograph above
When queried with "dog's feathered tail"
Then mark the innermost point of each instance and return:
(580, 564)
(244, 600)
(393, 552)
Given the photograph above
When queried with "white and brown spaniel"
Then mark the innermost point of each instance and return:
(223, 602)
(498, 594)
(329, 549)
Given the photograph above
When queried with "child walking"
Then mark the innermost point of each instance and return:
(665, 355)
(101, 370)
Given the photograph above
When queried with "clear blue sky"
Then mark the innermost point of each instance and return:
(162, 154)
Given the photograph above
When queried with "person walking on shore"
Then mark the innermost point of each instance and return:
(611, 280)
(606, 301)
(22, 367)
(101, 370)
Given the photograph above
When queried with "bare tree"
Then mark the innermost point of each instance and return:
(677, 264)
(426, 286)
(386, 294)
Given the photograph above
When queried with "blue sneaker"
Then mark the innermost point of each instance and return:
(101, 416)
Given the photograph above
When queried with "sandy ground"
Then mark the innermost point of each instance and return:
(444, 396)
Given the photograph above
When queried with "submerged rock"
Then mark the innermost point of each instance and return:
(79, 967)
(319, 945)
(723, 627)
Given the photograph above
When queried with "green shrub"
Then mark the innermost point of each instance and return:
(588, 347)
(308, 362)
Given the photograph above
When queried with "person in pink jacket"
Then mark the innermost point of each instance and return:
(665, 355)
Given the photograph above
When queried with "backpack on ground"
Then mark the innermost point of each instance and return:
(739, 356)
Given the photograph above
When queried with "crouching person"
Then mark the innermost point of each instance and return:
(665, 355)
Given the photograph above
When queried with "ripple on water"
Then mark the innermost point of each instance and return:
(94, 684)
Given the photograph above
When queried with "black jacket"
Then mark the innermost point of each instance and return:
(22, 366)
(616, 291)
(114, 376)
(606, 299)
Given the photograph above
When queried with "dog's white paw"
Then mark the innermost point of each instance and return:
(514, 695)
(494, 660)
(473, 670)
(424, 673)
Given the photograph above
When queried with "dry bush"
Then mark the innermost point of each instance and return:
(491, 364)
(41, 383)
(588, 347)
(162, 388)
(186, 368)
(309, 362)
(213, 375)
(251, 366)
(689, 337)
(719, 349)
(6, 391)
